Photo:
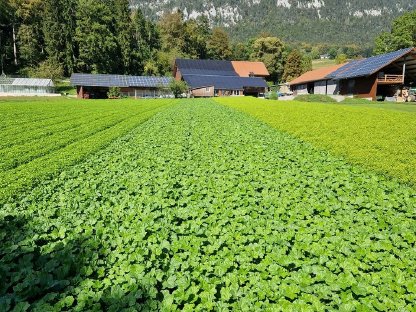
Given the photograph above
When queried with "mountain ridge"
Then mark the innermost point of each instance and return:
(311, 21)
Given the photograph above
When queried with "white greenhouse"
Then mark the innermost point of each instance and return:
(26, 86)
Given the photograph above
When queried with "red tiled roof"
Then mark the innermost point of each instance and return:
(315, 75)
(244, 69)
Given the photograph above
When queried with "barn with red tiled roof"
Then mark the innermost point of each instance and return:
(316, 82)
(390, 75)
(207, 78)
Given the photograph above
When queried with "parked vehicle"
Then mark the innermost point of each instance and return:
(412, 95)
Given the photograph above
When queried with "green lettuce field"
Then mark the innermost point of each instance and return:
(376, 136)
(196, 205)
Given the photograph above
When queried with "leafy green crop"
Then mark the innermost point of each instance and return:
(380, 139)
(41, 138)
(203, 208)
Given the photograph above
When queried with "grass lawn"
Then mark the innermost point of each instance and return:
(316, 64)
(376, 136)
(64, 87)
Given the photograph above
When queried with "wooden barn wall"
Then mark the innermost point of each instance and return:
(203, 92)
(365, 87)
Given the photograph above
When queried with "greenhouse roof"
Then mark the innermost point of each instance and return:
(35, 82)
(26, 82)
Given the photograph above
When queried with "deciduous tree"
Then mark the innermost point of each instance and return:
(173, 31)
(270, 51)
(178, 87)
(341, 58)
(402, 34)
(219, 45)
(293, 66)
(198, 33)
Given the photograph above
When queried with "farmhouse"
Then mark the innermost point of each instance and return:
(207, 78)
(92, 86)
(383, 76)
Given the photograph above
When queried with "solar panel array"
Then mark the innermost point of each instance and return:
(219, 74)
(224, 82)
(206, 67)
(208, 72)
(92, 80)
(144, 81)
(102, 80)
(369, 66)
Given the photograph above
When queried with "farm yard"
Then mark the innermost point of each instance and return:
(201, 205)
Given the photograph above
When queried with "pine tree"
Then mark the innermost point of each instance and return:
(146, 41)
(30, 46)
(124, 31)
(95, 38)
(59, 23)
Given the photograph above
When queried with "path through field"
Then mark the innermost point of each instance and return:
(204, 208)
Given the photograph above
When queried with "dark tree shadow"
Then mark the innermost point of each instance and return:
(40, 269)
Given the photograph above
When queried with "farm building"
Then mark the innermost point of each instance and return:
(92, 86)
(383, 76)
(316, 82)
(250, 69)
(207, 78)
(26, 87)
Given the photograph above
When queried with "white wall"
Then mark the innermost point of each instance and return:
(333, 87)
(301, 89)
(321, 87)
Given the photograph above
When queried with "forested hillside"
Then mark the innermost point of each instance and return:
(54, 38)
(323, 21)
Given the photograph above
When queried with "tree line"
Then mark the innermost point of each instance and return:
(54, 38)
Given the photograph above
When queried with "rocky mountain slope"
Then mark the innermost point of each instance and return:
(330, 21)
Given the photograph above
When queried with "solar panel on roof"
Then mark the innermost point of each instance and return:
(101, 80)
(369, 66)
(98, 80)
(224, 82)
(206, 67)
(144, 81)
